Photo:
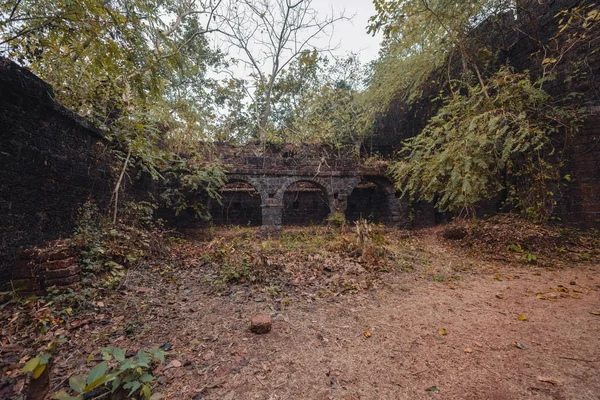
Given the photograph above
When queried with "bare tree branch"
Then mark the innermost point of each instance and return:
(269, 35)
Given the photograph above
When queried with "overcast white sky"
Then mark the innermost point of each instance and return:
(347, 36)
(352, 35)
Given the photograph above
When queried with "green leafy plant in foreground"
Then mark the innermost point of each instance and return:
(116, 373)
(37, 365)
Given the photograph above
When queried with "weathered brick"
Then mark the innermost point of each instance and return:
(60, 273)
(261, 324)
(24, 269)
(62, 282)
(58, 264)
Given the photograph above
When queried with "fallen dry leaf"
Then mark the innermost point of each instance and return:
(442, 331)
(520, 346)
(499, 296)
(548, 380)
(522, 317)
(597, 312)
(367, 334)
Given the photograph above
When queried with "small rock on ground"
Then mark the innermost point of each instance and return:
(261, 324)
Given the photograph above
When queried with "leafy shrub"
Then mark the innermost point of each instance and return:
(107, 250)
(337, 218)
(141, 214)
(484, 140)
(115, 373)
(185, 179)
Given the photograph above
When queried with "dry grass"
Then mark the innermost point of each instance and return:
(326, 290)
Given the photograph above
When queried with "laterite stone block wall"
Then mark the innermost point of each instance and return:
(39, 269)
(50, 163)
(518, 42)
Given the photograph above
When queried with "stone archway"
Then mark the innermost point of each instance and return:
(240, 205)
(305, 202)
(373, 199)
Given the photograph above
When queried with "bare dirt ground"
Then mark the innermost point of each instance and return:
(448, 324)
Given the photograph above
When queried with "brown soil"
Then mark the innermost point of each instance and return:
(449, 322)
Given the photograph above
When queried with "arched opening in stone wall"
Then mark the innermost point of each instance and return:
(305, 203)
(240, 205)
(371, 200)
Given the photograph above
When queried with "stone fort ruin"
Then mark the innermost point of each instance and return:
(52, 161)
(302, 188)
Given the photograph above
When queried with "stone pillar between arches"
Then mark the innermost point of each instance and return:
(272, 215)
(338, 203)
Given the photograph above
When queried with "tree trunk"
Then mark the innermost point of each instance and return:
(118, 186)
(264, 118)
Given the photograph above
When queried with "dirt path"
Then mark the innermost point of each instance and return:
(318, 348)
(446, 326)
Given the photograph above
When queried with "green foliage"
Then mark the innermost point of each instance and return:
(481, 142)
(575, 42)
(141, 214)
(431, 23)
(116, 373)
(312, 101)
(421, 37)
(334, 116)
(304, 75)
(189, 183)
(114, 62)
(232, 264)
(527, 256)
(89, 237)
(234, 272)
(319, 102)
(338, 218)
(496, 134)
(135, 69)
(515, 248)
(37, 365)
(107, 251)
(269, 36)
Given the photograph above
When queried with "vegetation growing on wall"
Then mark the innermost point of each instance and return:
(165, 314)
(482, 142)
(138, 70)
(495, 129)
(135, 69)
